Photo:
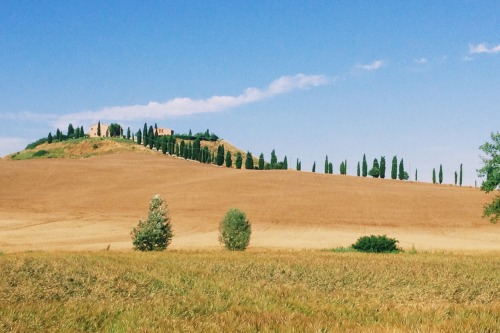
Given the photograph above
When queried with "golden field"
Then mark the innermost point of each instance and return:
(90, 203)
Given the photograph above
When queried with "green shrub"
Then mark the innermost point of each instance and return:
(154, 234)
(40, 153)
(376, 244)
(235, 230)
(36, 143)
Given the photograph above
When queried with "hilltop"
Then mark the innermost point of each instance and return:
(90, 203)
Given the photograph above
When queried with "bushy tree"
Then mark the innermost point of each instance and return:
(376, 244)
(235, 230)
(491, 170)
(375, 170)
(249, 161)
(115, 130)
(394, 168)
(364, 167)
(155, 233)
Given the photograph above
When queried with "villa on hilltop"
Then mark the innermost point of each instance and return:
(105, 131)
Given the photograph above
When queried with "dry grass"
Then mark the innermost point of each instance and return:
(88, 203)
(301, 291)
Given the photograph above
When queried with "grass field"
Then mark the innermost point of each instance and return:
(256, 291)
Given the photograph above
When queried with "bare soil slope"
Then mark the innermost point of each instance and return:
(81, 204)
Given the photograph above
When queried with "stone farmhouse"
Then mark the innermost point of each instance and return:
(105, 133)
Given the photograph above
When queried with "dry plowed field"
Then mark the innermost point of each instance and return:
(88, 204)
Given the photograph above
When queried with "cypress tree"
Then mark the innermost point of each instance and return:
(151, 140)
(416, 175)
(139, 137)
(342, 167)
(298, 165)
(196, 149)
(330, 168)
(158, 142)
(261, 162)
(434, 175)
(164, 144)
(49, 138)
(220, 155)
(285, 163)
(382, 167)
(401, 174)
(358, 171)
(128, 133)
(189, 149)
(460, 176)
(71, 130)
(145, 135)
(375, 170)
(394, 169)
(206, 155)
(364, 166)
(182, 149)
(314, 167)
(345, 167)
(82, 133)
(440, 174)
(77, 132)
(326, 164)
(249, 161)
(177, 149)
(99, 128)
(239, 160)
(229, 161)
(456, 178)
(274, 159)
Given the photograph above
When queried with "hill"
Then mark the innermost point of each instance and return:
(92, 202)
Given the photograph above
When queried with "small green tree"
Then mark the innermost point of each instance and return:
(330, 168)
(261, 162)
(49, 138)
(416, 175)
(327, 165)
(376, 244)
(394, 168)
(274, 159)
(491, 170)
(155, 233)
(249, 161)
(358, 171)
(314, 167)
(139, 137)
(456, 178)
(71, 131)
(128, 133)
(229, 161)
(285, 163)
(145, 135)
(461, 174)
(99, 128)
(364, 167)
(164, 144)
(402, 175)
(239, 160)
(375, 170)
(220, 155)
(440, 174)
(342, 167)
(434, 175)
(382, 167)
(82, 132)
(235, 230)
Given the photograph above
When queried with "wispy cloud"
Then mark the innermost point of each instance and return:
(186, 106)
(421, 61)
(372, 66)
(467, 58)
(484, 48)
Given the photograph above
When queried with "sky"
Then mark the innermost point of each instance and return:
(415, 79)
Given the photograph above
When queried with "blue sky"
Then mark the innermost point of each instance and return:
(416, 79)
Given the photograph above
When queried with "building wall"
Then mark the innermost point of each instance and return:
(93, 130)
(165, 131)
